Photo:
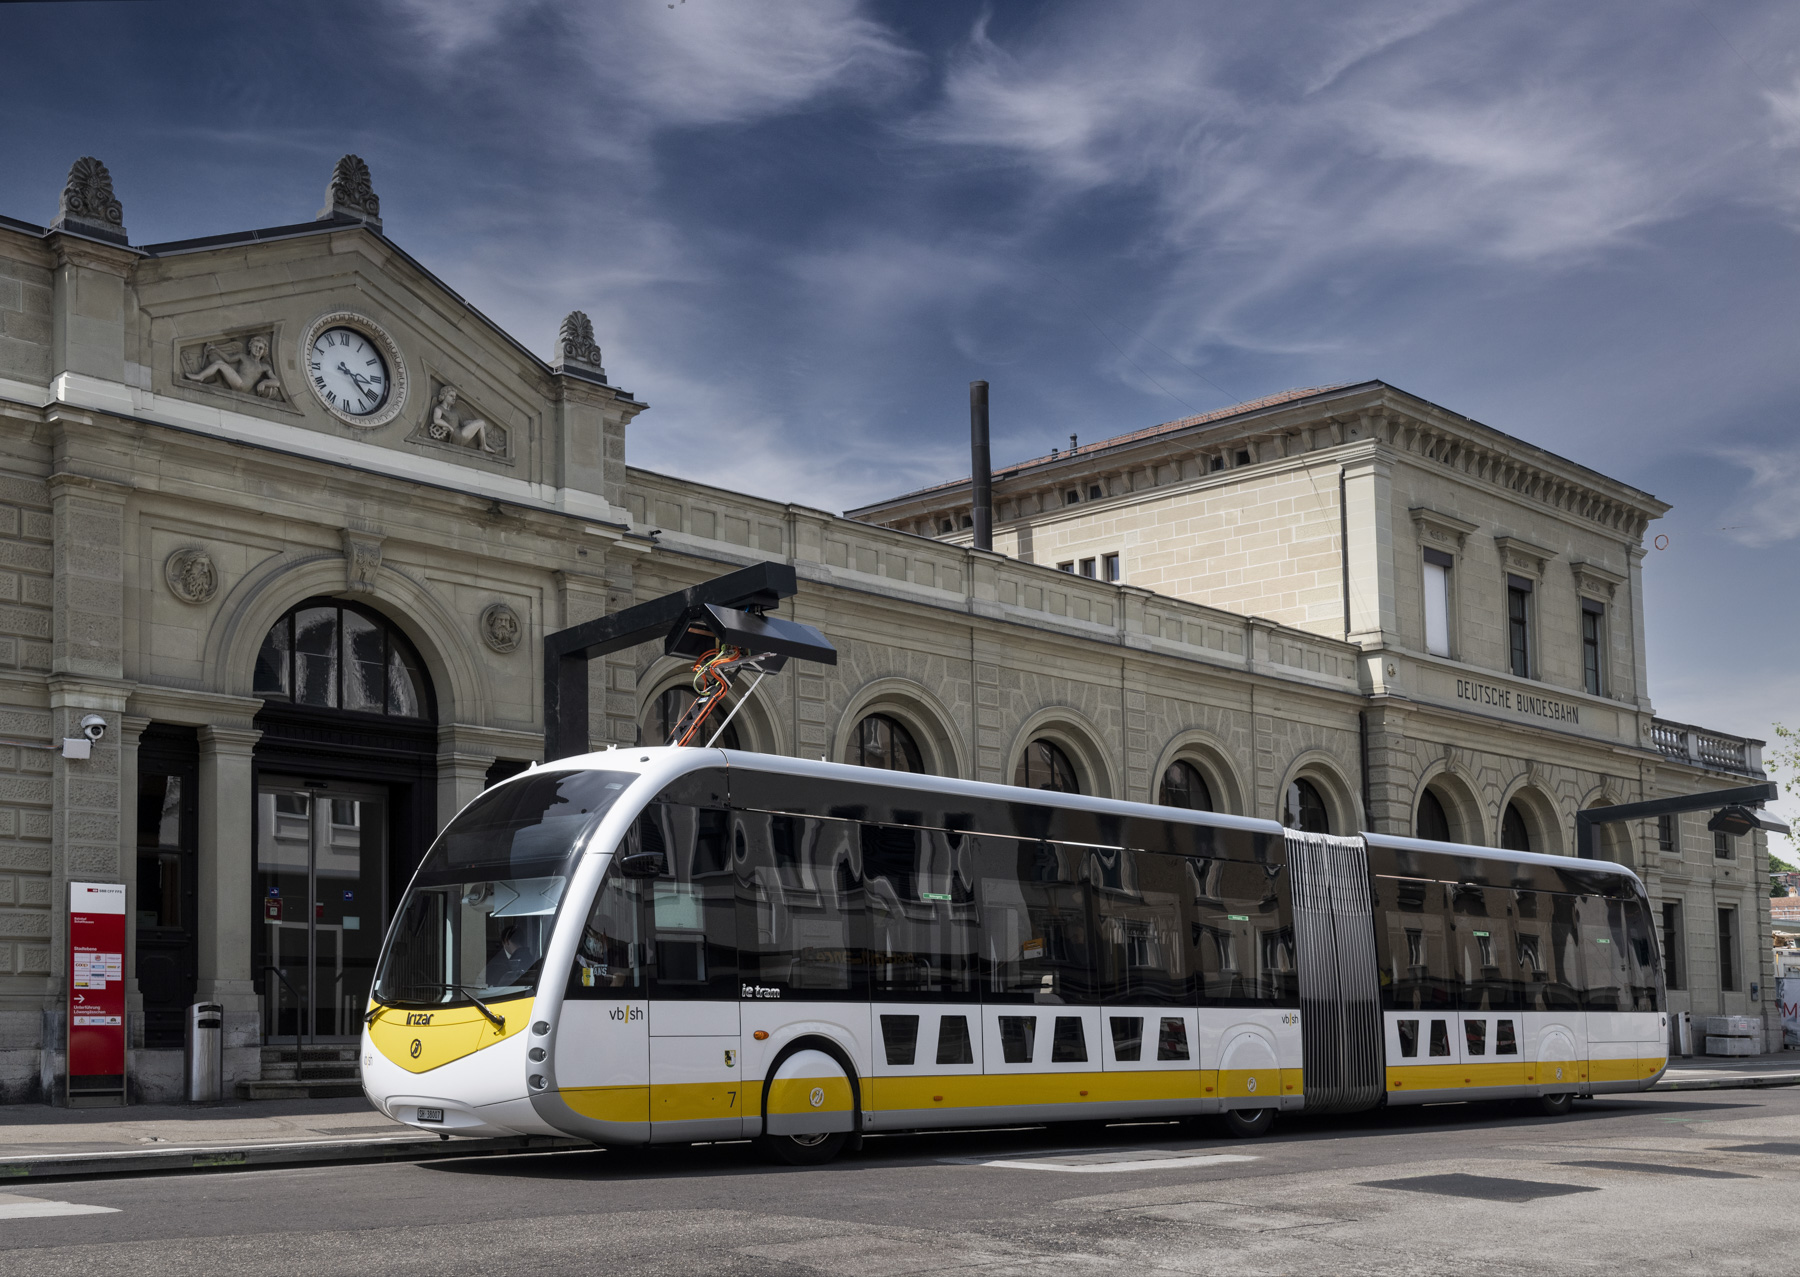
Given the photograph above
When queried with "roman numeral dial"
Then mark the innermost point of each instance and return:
(348, 371)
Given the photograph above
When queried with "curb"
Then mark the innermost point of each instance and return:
(1746, 1083)
(396, 1148)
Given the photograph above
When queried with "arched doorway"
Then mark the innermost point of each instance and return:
(345, 807)
(1182, 785)
(1044, 765)
(1515, 833)
(1304, 808)
(884, 741)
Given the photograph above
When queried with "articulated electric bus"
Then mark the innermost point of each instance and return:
(679, 945)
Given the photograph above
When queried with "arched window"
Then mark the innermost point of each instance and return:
(883, 742)
(1514, 836)
(1184, 786)
(666, 711)
(326, 654)
(1434, 821)
(1045, 766)
(1305, 809)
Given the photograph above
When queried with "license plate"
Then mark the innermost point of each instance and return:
(431, 1115)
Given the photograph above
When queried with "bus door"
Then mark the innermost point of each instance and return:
(1040, 1021)
(1340, 1010)
(1552, 980)
(1149, 939)
(603, 1037)
(697, 1089)
(1616, 989)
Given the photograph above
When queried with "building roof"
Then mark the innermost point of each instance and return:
(1138, 436)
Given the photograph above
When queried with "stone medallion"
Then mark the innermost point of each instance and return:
(501, 628)
(191, 575)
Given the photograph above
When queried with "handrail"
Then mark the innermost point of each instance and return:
(299, 1014)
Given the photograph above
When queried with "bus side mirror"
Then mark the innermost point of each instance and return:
(644, 864)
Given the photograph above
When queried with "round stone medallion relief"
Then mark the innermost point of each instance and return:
(191, 575)
(501, 628)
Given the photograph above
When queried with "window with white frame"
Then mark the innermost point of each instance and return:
(1437, 601)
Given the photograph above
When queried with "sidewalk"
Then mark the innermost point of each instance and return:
(1725, 1073)
(38, 1142)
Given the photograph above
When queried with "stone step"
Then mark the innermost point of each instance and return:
(312, 1073)
(307, 1090)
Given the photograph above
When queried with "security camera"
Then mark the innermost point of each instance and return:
(93, 727)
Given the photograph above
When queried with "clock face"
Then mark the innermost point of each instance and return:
(348, 372)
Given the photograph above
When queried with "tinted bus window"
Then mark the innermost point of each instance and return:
(611, 959)
(1244, 932)
(1147, 943)
(1036, 938)
(693, 907)
(802, 923)
(1483, 946)
(1413, 944)
(1603, 950)
(1640, 950)
(923, 929)
(1549, 951)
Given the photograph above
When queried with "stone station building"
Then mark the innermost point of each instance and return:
(293, 518)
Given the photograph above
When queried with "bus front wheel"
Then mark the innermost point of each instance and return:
(1245, 1124)
(803, 1150)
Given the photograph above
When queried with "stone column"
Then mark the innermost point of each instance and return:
(1369, 550)
(226, 868)
(462, 768)
(131, 731)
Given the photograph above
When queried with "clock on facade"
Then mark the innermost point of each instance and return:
(348, 371)
(354, 369)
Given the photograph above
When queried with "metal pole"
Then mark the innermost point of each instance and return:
(981, 467)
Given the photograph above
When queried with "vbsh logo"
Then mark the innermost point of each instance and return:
(626, 1014)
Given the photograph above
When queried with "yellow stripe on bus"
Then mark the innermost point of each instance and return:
(419, 1041)
(1449, 1077)
(609, 1103)
(1014, 1089)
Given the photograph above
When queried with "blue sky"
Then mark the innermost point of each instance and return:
(802, 228)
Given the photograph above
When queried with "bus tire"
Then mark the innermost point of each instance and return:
(803, 1150)
(1247, 1124)
(1555, 1105)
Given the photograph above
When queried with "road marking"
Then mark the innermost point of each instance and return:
(1108, 1168)
(13, 1206)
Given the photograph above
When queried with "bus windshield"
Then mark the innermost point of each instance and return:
(476, 919)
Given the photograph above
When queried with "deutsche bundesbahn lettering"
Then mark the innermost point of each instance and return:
(1522, 703)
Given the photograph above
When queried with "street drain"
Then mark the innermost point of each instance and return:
(1486, 1188)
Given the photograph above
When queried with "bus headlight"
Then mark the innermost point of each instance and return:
(537, 1082)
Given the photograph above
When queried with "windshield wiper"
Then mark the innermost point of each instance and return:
(498, 1021)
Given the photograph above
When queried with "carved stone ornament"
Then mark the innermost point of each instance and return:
(501, 628)
(244, 365)
(362, 561)
(450, 421)
(575, 343)
(88, 204)
(351, 193)
(191, 575)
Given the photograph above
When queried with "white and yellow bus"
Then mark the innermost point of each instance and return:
(678, 945)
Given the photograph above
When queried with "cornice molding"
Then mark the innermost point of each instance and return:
(1445, 529)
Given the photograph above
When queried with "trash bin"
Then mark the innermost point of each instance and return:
(205, 1052)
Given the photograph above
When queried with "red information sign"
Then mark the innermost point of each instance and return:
(96, 988)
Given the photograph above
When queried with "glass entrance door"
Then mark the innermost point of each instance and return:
(321, 870)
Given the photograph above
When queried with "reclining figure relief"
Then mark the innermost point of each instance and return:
(449, 426)
(243, 367)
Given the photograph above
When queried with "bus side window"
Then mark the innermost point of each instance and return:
(801, 923)
(610, 956)
(1603, 952)
(922, 926)
(1146, 944)
(1244, 927)
(1412, 943)
(1036, 933)
(693, 906)
(1641, 951)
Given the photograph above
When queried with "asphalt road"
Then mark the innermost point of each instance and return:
(1657, 1183)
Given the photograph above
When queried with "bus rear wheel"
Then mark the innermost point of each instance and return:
(1247, 1124)
(1555, 1105)
(802, 1150)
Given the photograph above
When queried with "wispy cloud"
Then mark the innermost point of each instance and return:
(1766, 512)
